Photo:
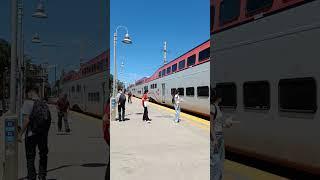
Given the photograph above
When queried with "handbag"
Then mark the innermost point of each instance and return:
(145, 103)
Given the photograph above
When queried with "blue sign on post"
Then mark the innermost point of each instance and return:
(10, 129)
(113, 103)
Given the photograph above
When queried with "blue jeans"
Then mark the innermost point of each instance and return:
(177, 108)
(217, 156)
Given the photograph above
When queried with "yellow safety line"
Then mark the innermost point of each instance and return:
(187, 116)
(84, 115)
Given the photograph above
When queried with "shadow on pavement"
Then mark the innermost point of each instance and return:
(125, 119)
(94, 165)
(88, 165)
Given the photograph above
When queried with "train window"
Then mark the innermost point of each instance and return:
(191, 60)
(174, 68)
(163, 72)
(173, 90)
(256, 6)
(155, 85)
(229, 11)
(78, 88)
(203, 91)
(160, 74)
(204, 54)
(98, 96)
(228, 93)
(100, 66)
(298, 95)
(169, 70)
(190, 91)
(256, 95)
(182, 64)
(181, 91)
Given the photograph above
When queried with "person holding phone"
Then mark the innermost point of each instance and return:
(218, 122)
(145, 100)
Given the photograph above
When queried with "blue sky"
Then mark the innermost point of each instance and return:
(183, 24)
(72, 24)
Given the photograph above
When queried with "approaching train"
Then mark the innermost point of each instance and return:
(189, 74)
(87, 88)
(266, 66)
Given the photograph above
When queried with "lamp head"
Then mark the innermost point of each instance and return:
(36, 38)
(40, 12)
(127, 39)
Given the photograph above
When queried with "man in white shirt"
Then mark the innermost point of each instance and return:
(33, 140)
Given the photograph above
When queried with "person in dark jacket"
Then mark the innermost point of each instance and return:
(121, 98)
(129, 97)
(63, 106)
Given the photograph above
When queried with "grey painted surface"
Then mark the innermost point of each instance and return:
(191, 77)
(284, 45)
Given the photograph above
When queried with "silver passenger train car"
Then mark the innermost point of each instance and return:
(86, 89)
(266, 66)
(189, 74)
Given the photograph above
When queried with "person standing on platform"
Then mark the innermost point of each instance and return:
(176, 103)
(36, 124)
(217, 150)
(145, 100)
(121, 98)
(129, 97)
(63, 106)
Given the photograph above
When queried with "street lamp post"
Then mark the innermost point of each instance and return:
(11, 122)
(126, 40)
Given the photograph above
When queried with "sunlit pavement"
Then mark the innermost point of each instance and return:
(167, 150)
(78, 156)
(158, 150)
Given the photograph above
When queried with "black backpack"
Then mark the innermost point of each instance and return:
(122, 99)
(40, 118)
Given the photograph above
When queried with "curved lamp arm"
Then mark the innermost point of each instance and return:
(124, 27)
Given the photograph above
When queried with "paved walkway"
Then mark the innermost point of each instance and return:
(167, 150)
(159, 150)
(79, 156)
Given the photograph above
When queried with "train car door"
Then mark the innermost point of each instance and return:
(163, 92)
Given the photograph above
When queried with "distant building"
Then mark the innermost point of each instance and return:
(37, 76)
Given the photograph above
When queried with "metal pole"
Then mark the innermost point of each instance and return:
(165, 53)
(42, 82)
(11, 159)
(115, 65)
(55, 80)
(113, 109)
(20, 54)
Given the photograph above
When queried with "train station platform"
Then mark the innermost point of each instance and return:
(81, 155)
(167, 150)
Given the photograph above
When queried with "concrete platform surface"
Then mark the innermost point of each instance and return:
(167, 150)
(81, 155)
